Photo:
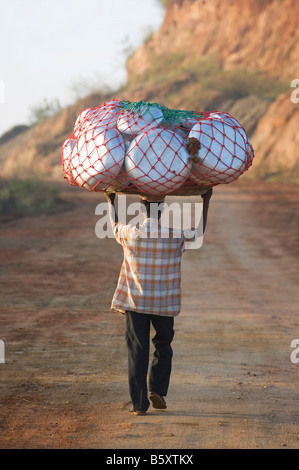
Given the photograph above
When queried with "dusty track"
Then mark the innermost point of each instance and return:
(64, 382)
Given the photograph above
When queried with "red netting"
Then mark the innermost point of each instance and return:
(146, 148)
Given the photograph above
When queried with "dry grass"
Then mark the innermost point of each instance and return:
(20, 197)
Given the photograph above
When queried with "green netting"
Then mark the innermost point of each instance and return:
(170, 116)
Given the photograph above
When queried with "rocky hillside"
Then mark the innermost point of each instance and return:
(238, 56)
(251, 34)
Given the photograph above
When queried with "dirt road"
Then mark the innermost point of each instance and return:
(233, 385)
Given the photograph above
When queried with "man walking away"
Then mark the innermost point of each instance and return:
(149, 292)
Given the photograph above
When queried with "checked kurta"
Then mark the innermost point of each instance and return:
(150, 276)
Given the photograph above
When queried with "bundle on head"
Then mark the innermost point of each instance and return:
(147, 149)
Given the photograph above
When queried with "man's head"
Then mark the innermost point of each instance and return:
(154, 209)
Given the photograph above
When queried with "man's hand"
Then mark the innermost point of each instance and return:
(110, 197)
(207, 196)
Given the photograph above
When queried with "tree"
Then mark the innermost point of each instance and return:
(44, 110)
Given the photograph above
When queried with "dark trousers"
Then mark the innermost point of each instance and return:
(138, 343)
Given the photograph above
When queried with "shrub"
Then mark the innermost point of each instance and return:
(19, 197)
(43, 111)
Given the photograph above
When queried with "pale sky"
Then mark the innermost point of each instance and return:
(49, 47)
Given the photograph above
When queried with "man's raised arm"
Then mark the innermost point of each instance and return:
(202, 223)
(110, 197)
(205, 208)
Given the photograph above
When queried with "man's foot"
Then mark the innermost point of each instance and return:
(137, 412)
(158, 401)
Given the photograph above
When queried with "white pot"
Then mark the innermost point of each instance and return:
(98, 159)
(67, 150)
(135, 122)
(105, 116)
(222, 155)
(226, 117)
(222, 116)
(108, 115)
(121, 181)
(157, 161)
(188, 122)
(82, 121)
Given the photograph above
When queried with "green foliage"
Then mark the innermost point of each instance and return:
(198, 77)
(82, 87)
(19, 197)
(235, 83)
(167, 3)
(43, 111)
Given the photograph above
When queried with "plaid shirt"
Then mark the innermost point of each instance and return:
(150, 276)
